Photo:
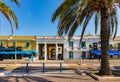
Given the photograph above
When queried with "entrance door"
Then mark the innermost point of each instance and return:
(70, 55)
(53, 54)
(41, 50)
(83, 55)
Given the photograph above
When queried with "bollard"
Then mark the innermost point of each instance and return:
(43, 68)
(60, 67)
(27, 67)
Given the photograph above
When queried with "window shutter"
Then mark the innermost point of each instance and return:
(27, 44)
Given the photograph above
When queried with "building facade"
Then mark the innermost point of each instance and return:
(55, 48)
(59, 48)
(11, 45)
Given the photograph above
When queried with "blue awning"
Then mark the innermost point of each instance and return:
(28, 52)
(7, 53)
(111, 52)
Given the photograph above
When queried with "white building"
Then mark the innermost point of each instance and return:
(55, 48)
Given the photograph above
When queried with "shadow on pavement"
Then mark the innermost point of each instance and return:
(2, 69)
(23, 79)
(64, 77)
(116, 70)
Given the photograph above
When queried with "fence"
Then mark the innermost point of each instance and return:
(43, 68)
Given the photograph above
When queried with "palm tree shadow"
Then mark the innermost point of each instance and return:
(2, 69)
(4, 79)
(64, 77)
(116, 70)
(38, 79)
(39, 69)
(30, 69)
(24, 78)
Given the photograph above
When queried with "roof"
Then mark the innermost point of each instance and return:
(89, 34)
(18, 37)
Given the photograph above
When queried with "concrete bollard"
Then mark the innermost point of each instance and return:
(60, 67)
(27, 68)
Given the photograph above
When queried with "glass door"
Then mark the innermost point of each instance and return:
(70, 55)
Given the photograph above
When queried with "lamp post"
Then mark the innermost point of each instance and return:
(80, 48)
(15, 52)
(14, 45)
(9, 38)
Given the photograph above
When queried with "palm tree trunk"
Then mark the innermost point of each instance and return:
(105, 30)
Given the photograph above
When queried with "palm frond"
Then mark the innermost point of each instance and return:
(110, 3)
(62, 8)
(73, 29)
(85, 24)
(96, 21)
(16, 1)
(14, 18)
(7, 12)
(72, 13)
(116, 26)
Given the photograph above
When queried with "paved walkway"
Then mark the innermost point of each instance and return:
(37, 69)
(17, 72)
(44, 78)
(52, 74)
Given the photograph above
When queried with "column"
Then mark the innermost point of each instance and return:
(37, 49)
(87, 44)
(56, 51)
(45, 55)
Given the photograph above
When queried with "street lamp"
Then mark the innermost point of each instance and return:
(14, 44)
(9, 38)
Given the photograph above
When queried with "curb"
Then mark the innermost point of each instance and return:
(92, 75)
(102, 78)
(81, 72)
(40, 75)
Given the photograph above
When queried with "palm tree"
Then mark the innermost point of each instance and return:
(8, 13)
(72, 13)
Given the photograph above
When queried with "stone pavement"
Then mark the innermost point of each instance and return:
(37, 69)
(45, 78)
(52, 73)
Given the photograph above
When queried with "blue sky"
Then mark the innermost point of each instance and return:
(35, 19)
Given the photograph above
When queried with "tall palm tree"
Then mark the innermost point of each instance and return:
(72, 13)
(8, 13)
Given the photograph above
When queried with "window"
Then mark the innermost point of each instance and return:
(70, 55)
(59, 50)
(1, 44)
(14, 43)
(71, 44)
(83, 45)
(99, 42)
(118, 46)
(27, 44)
(95, 46)
(111, 46)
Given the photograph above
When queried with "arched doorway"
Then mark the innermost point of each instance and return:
(53, 54)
